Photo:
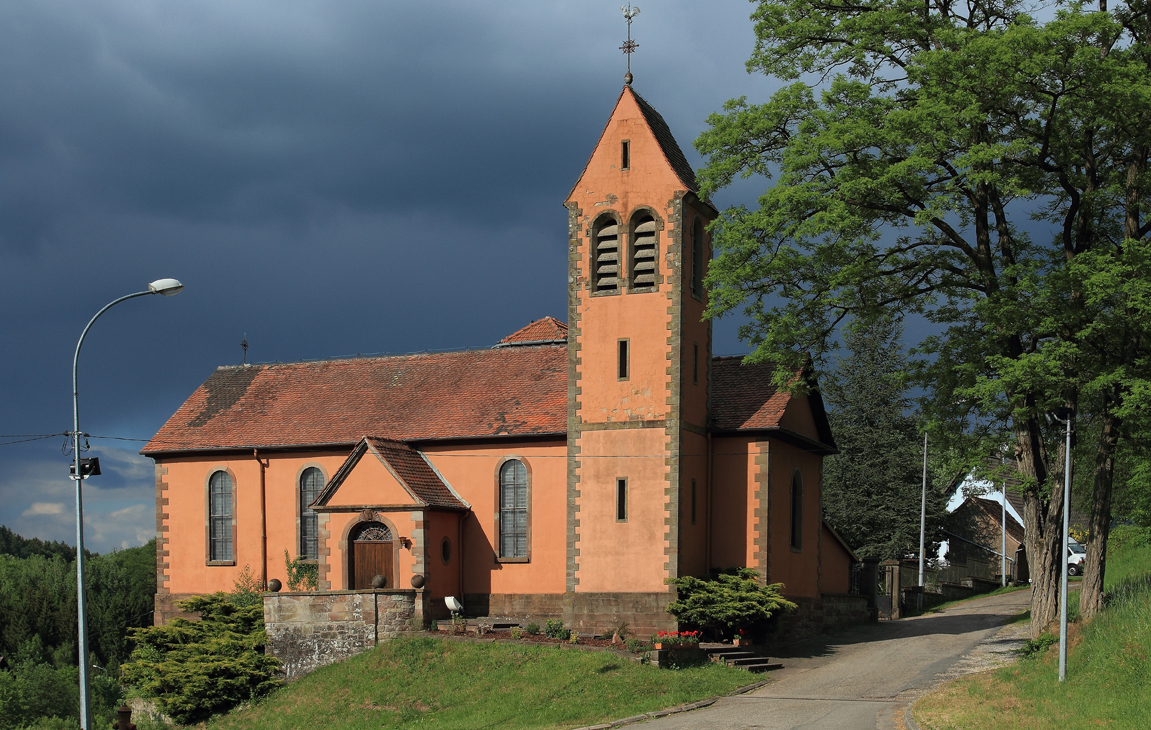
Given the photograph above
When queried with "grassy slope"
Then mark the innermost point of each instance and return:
(1108, 671)
(465, 685)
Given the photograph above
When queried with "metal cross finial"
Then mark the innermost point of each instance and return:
(629, 45)
(244, 344)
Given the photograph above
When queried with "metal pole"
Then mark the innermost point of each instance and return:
(1003, 550)
(923, 511)
(1063, 588)
(77, 439)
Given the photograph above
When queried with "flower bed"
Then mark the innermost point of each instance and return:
(676, 639)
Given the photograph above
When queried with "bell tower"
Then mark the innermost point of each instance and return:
(638, 372)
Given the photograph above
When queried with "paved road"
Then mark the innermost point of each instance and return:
(862, 679)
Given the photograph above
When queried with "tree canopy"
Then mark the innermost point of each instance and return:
(978, 165)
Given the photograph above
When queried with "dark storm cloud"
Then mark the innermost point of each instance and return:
(326, 178)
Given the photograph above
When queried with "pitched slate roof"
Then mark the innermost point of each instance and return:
(414, 472)
(994, 511)
(667, 143)
(548, 329)
(510, 391)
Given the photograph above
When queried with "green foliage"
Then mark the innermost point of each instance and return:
(987, 170)
(23, 547)
(1038, 645)
(637, 645)
(532, 628)
(554, 629)
(517, 632)
(731, 600)
(196, 668)
(871, 489)
(302, 575)
(246, 589)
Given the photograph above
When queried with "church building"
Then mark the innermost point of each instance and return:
(566, 472)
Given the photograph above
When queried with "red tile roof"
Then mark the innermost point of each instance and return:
(744, 396)
(410, 467)
(504, 391)
(508, 391)
(548, 329)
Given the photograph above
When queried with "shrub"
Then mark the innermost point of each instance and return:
(533, 628)
(554, 629)
(302, 576)
(1128, 536)
(731, 600)
(637, 645)
(517, 632)
(196, 668)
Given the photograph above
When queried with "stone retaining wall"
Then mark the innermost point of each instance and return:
(310, 630)
(814, 616)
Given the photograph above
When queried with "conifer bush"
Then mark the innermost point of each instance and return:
(196, 668)
(731, 600)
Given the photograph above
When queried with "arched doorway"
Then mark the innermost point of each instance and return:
(369, 555)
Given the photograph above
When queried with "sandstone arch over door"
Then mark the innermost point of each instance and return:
(370, 553)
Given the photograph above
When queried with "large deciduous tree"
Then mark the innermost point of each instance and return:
(977, 165)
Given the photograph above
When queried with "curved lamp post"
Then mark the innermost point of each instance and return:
(166, 287)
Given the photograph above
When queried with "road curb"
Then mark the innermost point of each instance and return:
(678, 709)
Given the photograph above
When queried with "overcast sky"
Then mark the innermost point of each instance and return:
(326, 178)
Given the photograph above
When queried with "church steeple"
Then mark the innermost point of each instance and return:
(638, 358)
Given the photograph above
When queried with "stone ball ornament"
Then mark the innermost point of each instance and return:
(274, 585)
(379, 581)
(417, 581)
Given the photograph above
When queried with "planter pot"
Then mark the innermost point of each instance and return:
(661, 646)
(741, 641)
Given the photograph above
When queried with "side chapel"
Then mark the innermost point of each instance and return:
(566, 472)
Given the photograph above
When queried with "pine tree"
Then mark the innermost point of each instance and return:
(872, 488)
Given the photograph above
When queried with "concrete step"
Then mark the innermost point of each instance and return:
(745, 661)
(764, 666)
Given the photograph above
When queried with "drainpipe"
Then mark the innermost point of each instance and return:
(263, 525)
(460, 552)
(707, 508)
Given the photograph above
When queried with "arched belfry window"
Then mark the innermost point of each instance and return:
(698, 258)
(220, 517)
(311, 482)
(513, 509)
(606, 260)
(643, 251)
(796, 510)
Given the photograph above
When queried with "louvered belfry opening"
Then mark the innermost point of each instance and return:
(643, 251)
(607, 256)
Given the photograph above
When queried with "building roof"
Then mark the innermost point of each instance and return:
(411, 469)
(667, 143)
(994, 511)
(516, 391)
(504, 391)
(548, 329)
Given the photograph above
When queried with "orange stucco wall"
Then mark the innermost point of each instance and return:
(733, 502)
(798, 569)
(602, 540)
(693, 535)
(473, 471)
(835, 564)
(798, 417)
(370, 483)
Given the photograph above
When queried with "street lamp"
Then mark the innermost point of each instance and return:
(1064, 415)
(82, 469)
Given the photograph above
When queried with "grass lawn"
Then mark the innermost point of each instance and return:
(1108, 670)
(453, 684)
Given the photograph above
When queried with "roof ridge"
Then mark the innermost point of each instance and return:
(667, 143)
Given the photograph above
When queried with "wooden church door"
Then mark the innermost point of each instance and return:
(371, 555)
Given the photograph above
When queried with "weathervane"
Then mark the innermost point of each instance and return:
(244, 344)
(629, 45)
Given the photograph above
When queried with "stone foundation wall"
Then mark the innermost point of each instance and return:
(528, 606)
(645, 613)
(310, 630)
(814, 616)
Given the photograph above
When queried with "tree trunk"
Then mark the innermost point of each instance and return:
(1042, 523)
(1099, 527)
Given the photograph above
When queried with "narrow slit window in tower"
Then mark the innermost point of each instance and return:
(695, 363)
(606, 241)
(693, 501)
(621, 500)
(697, 258)
(625, 155)
(643, 252)
(623, 359)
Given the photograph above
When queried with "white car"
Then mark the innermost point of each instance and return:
(1076, 554)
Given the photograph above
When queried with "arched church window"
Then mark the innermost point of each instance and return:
(220, 517)
(698, 258)
(643, 251)
(513, 509)
(311, 482)
(606, 255)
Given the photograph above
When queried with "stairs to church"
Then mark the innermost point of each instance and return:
(734, 656)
